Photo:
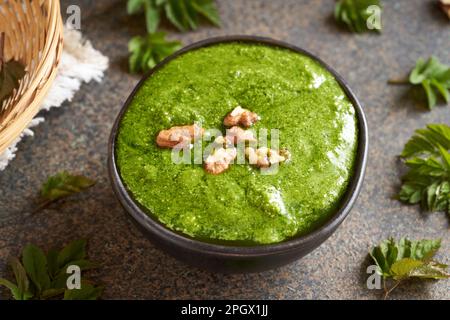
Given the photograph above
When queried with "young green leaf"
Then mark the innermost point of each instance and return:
(45, 276)
(406, 259)
(35, 263)
(87, 292)
(428, 180)
(183, 14)
(434, 77)
(147, 51)
(403, 269)
(21, 278)
(62, 185)
(52, 262)
(76, 250)
(134, 6)
(16, 293)
(21, 290)
(355, 13)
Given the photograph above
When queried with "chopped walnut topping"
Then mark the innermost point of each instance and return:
(264, 157)
(224, 141)
(220, 160)
(237, 134)
(178, 136)
(445, 5)
(240, 116)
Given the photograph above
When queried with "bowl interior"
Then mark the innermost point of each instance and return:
(156, 228)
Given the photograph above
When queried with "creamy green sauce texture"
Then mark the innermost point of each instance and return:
(292, 93)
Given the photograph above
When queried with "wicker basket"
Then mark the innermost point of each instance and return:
(34, 34)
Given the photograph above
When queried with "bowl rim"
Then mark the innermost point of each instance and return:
(324, 231)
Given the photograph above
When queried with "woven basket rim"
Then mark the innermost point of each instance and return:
(24, 106)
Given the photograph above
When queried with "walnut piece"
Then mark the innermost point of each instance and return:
(445, 5)
(264, 157)
(220, 160)
(226, 142)
(178, 136)
(240, 116)
(237, 134)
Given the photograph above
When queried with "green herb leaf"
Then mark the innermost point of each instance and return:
(21, 290)
(355, 13)
(183, 14)
(147, 51)
(76, 250)
(17, 294)
(62, 185)
(87, 292)
(403, 268)
(52, 262)
(152, 16)
(406, 259)
(434, 77)
(21, 278)
(35, 263)
(45, 276)
(134, 6)
(431, 270)
(390, 252)
(428, 180)
(60, 280)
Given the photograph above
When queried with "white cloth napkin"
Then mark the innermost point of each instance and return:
(80, 62)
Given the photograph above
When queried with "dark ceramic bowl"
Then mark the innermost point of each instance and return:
(227, 258)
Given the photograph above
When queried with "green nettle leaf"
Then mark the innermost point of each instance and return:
(147, 51)
(62, 185)
(406, 259)
(152, 16)
(52, 262)
(16, 293)
(35, 263)
(183, 14)
(44, 276)
(355, 14)
(134, 6)
(21, 290)
(21, 278)
(427, 156)
(434, 77)
(87, 292)
(76, 250)
(403, 268)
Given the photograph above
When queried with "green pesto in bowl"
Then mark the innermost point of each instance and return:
(290, 92)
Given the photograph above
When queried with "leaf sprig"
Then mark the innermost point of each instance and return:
(183, 14)
(61, 185)
(41, 276)
(405, 259)
(147, 51)
(427, 156)
(434, 77)
(354, 14)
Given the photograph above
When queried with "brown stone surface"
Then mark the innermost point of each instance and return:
(75, 138)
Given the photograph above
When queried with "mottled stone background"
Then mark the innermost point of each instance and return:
(75, 138)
